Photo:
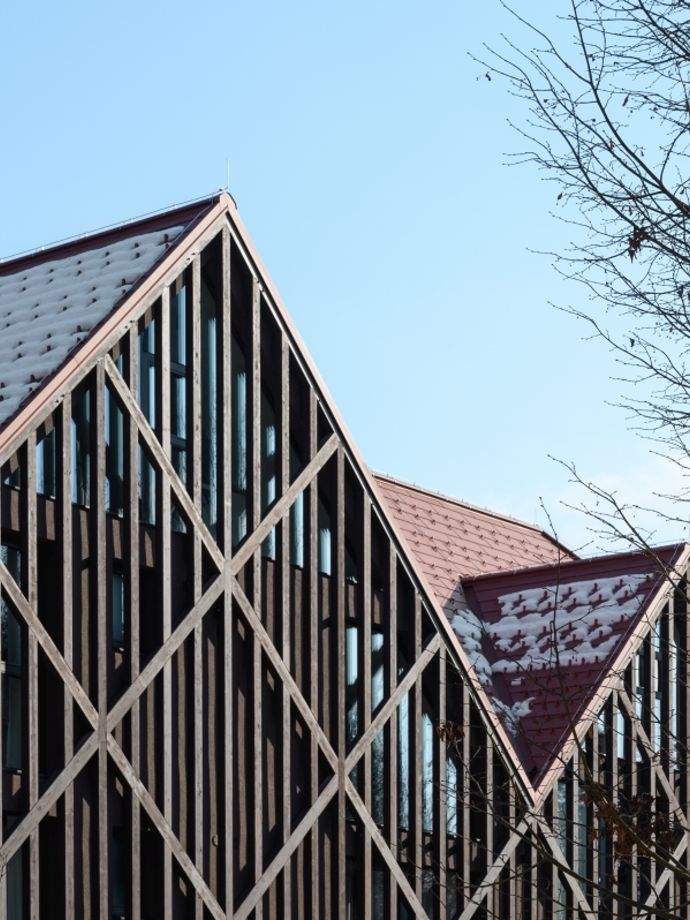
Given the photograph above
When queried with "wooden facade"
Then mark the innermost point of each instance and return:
(226, 689)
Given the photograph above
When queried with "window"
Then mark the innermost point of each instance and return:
(12, 670)
(114, 455)
(117, 599)
(81, 453)
(45, 465)
(178, 390)
(147, 401)
(239, 443)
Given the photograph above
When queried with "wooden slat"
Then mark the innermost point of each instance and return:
(3, 875)
(63, 453)
(30, 584)
(391, 729)
(365, 657)
(194, 466)
(415, 743)
(225, 465)
(340, 677)
(255, 517)
(441, 782)
(286, 613)
(312, 558)
(133, 602)
(163, 540)
(99, 574)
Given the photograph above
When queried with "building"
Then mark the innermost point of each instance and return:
(242, 676)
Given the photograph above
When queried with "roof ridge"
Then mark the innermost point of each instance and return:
(465, 504)
(652, 555)
(47, 249)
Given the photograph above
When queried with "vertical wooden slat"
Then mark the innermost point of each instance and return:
(415, 748)
(3, 875)
(63, 450)
(194, 445)
(100, 574)
(489, 813)
(366, 695)
(163, 539)
(597, 778)
(441, 784)
(313, 528)
(467, 793)
(133, 591)
(255, 396)
(226, 517)
(286, 613)
(340, 680)
(30, 586)
(392, 726)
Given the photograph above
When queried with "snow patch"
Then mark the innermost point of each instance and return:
(566, 624)
(511, 715)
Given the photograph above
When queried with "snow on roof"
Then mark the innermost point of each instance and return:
(47, 309)
(542, 638)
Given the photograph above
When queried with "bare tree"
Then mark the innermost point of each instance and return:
(608, 122)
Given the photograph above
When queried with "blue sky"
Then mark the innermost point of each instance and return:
(367, 158)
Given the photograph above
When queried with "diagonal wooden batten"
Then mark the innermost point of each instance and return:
(163, 462)
(164, 653)
(643, 738)
(646, 910)
(397, 875)
(282, 858)
(388, 708)
(35, 815)
(498, 865)
(52, 652)
(281, 668)
(164, 829)
(282, 506)
(559, 859)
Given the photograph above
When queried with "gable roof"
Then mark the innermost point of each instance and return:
(452, 540)
(542, 639)
(52, 299)
(489, 574)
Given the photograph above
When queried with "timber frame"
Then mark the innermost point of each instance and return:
(239, 696)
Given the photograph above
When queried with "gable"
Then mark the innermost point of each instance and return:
(189, 453)
(543, 639)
